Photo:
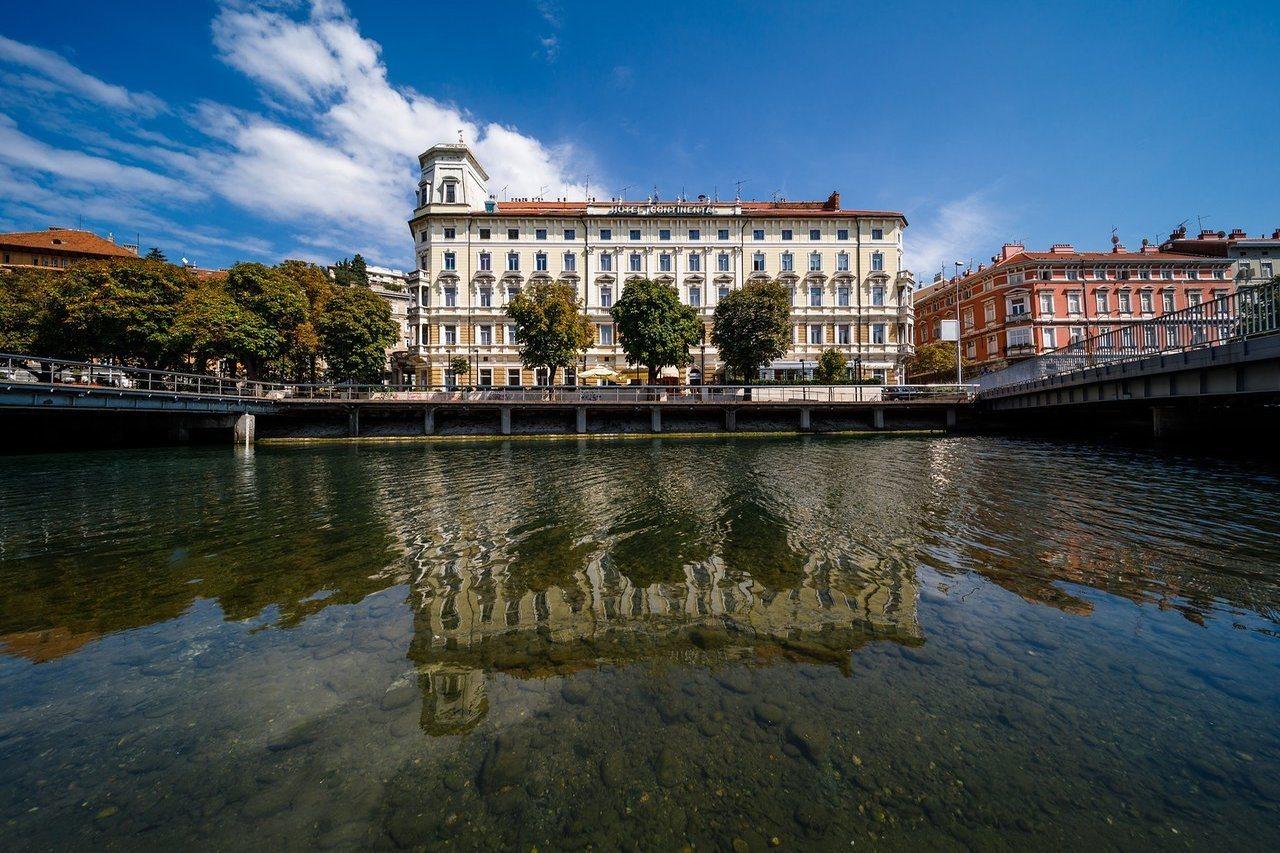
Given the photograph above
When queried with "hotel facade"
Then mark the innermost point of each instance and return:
(1026, 303)
(849, 291)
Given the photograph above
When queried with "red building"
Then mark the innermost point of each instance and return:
(1026, 303)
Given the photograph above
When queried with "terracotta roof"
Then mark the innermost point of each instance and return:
(66, 240)
(781, 210)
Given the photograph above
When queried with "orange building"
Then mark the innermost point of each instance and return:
(58, 248)
(1027, 303)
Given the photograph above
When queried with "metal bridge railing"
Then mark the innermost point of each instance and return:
(1250, 311)
(55, 373)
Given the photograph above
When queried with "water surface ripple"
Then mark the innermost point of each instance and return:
(904, 643)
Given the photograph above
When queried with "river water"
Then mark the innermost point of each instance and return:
(810, 643)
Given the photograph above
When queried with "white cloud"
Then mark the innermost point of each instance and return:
(958, 230)
(332, 154)
(57, 70)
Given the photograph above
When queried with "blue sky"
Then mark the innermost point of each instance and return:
(257, 131)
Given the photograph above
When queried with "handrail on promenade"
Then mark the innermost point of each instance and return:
(1250, 311)
(17, 369)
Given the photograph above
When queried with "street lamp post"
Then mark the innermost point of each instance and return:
(959, 334)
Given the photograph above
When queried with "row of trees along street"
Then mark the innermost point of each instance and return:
(277, 323)
(751, 327)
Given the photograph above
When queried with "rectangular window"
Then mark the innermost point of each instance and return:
(1167, 274)
(722, 293)
(450, 233)
(815, 297)
(967, 318)
(606, 297)
(1046, 303)
(1077, 335)
(571, 233)
(606, 334)
(606, 233)
(695, 263)
(486, 297)
(513, 261)
(664, 262)
(449, 335)
(486, 335)
(1073, 274)
(486, 261)
(450, 261)
(511, 338)
(664, 233)
(485, 233)
(1073, 302)
(606, 262)
(877, 233)
(877, 296)
(1047, 339)
(1144, 301)
(877, 333)
(1167, 300)
(540, 262)
(815, 334)
(486, 377)
(788, 263)
(451, 297)
(450, 193)
(1125, 302)
(513, 377)
(842, 233)
(722, 234)
(786, 233)
(695, 233)
(634, 262)
(842, 334)
(513, 233)
(540, 234)
(635, 234)
(842, 262)
(695, 296)
(757, 234)
(989, 312)
(722, 262)
(757, 262)
(570, 262)
(815, 262)
(1100, 301)
(512, 292)
(815, 233)
(842, 296)
(877, 261)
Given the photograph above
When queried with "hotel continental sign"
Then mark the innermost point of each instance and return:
(843, 268)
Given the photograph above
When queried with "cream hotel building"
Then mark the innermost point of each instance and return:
(843, 267)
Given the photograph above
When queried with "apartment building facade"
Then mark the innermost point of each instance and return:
(58, 248)
(1027, 303)
(1254, 260)
(474, 254)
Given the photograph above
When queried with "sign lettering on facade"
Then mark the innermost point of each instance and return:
(665, 210)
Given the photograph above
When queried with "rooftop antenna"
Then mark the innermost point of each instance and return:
(1200, 220)
(776, 195)
(622, 193)
(655, 193)
(504, 192)
(737, 196)
(587, 189)
(683, 197)
(542, 192)
(715, 192)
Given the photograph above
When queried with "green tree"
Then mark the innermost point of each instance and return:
(303, 345)
(832, 367)
(155, 255)
(355, 328)
(349, 272)
(933, 360)
(280, 302)
(461, 367)
(211, 325)
(654, 327)
(752, 326)
(30, 317)
(125, 309)
(550, 327)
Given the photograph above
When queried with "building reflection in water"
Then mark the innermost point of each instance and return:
(472, 623)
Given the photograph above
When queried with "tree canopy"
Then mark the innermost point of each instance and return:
(154, 254)
(654, 327)
(551, 329)
(936, 359)
(355, 328)
(832, 367)
(349, 272)
(752, 326)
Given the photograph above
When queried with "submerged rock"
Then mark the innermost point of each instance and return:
(812, 739)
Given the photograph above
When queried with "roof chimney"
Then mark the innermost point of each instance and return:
(1237, 234)
(833, 201)
(1275, 235)
(1062, 249)
(1008, 250)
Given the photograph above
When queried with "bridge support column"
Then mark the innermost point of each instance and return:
(505, 411)
(806, 423)
(730, 420)
(877, 418)
(951, 418)
(581, 418)
(655, 419)
(244, 429)
(353, 423)
(428, 421)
